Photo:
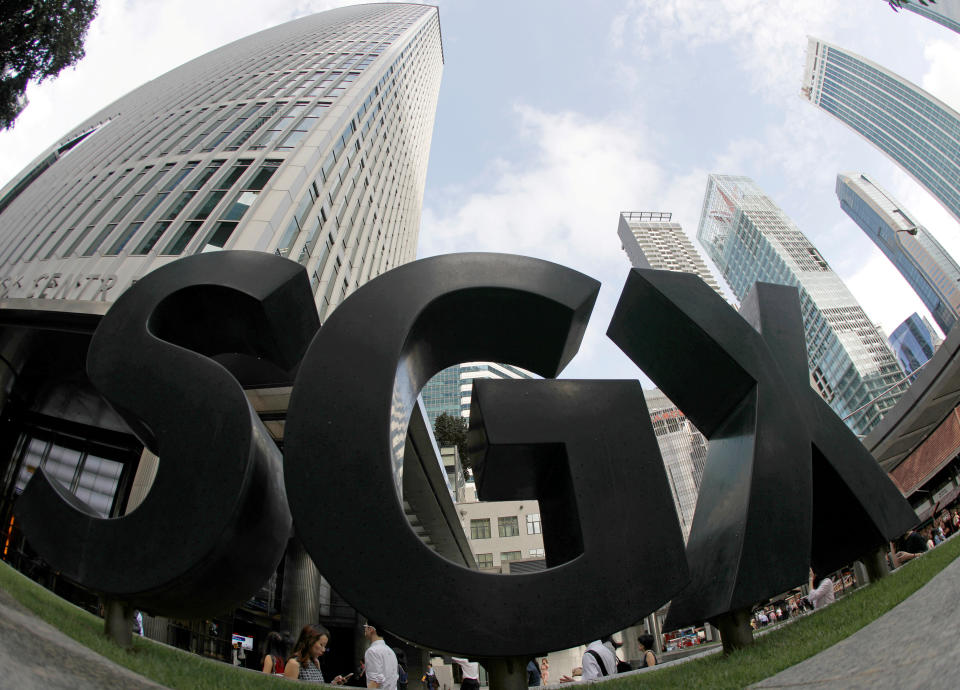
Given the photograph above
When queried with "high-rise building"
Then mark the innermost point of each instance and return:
(944, 12)
(919, 132)
(652, 240)
(684, 452)
(450, 391)
(913, 342)
(309, 140)
(751, 239)
(930, 270)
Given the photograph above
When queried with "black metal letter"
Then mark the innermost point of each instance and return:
(215, 522)
(345, 437)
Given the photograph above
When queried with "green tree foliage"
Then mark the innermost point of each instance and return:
(452, 431)
(38, 38)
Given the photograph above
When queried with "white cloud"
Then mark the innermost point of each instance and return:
(941, 77)
(768, 38)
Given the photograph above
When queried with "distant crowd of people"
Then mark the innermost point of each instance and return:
(918, 542)
(383, 667)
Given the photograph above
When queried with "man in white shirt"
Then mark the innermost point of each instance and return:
(591, 669)
(471, 673)
(379, 661)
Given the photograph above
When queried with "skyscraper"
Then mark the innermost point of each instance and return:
(751, 239)
(930, 270)
(919, 132)
(309, 140)
(913, 343)
(450, 391)
(652, 240)
(944, 12)
(684, 451)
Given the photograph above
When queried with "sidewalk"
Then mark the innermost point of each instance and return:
(34, 654)
(911, 646)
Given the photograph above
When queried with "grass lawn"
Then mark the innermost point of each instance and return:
(800, 640)
(160, 663)
(771, 654)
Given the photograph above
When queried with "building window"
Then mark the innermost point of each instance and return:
(485, 560)
(480, 529)
(533, 523)
(535, 553)
(509, 527)
(509, 556)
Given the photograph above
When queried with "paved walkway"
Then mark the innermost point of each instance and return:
(914, 645)
(34, 654)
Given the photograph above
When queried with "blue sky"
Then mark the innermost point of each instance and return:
(555, 116)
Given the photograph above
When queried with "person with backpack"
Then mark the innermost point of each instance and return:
(598, 662)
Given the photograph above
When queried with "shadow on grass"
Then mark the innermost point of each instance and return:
(771, 654)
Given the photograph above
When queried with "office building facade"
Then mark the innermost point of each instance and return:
(450, 391)
(684, 452)
(924, 264)
(917, 131)
(913, 343)
(308, 140)
(750, 239)
(652, 240)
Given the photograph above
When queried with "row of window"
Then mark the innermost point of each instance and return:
(507, 526)
(485, 560)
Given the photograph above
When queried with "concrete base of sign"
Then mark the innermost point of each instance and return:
(118, 622)
(507, 673)
(735, 630)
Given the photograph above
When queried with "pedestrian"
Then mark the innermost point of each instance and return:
(379, 660)
(430, 680)
(471, 673)
(275, 650)
(305, 662)
(597, 662)
(822, 594)
(533, 674)
(647, 656)
(913, 545)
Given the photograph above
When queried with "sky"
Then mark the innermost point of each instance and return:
(555, 116)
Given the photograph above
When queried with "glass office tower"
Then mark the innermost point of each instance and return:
(919, 132)
(450, 391)
(652, 240)
(913, 344)
(930, 270)
(751, 239)
(684, 451)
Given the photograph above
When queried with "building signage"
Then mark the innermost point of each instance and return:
(785, 482)
(86, 286)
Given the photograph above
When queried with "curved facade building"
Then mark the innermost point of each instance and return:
(930, 270)
(917, 131)
(309, 140)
